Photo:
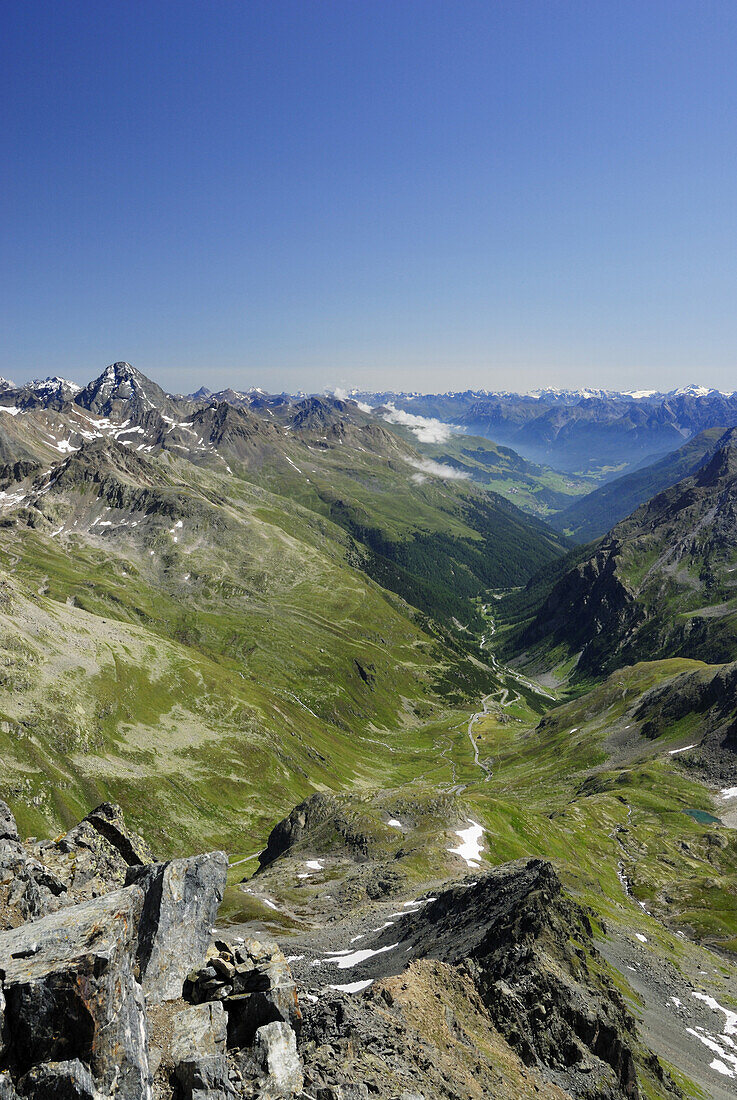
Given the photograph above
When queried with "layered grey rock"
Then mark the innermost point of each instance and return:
(199, 1035)
(182, 898)
(276, 1048)
(8, 828)
(59, 1081)
(71, 994)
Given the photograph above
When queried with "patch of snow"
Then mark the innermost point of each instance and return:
(394, 823)
(639, 936)
(294, 464)
(314, 864)
(674, 752)
(11, 409)
(729, 792)
(294, 958)
(470, 846)
(353, 987)
(271, 904)
(712, 1044)
(730, 1026)
(353, 958)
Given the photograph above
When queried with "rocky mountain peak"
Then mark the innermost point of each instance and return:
(122, 390)
(101, 458)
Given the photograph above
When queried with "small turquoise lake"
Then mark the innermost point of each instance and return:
(703, 817)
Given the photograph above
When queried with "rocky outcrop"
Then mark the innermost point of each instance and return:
(70, 994)
(513, 931)
(182, 898)
(315, 810)
(253, 981)
(8, 827)
(37, 878)
(93, 999)
(528, 956)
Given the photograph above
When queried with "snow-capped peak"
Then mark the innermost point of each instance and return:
(53, 385)
(692, 391)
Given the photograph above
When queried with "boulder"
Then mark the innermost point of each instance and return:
(199, 1035)
(205, 1079)
(71, 994)
(276, 1050)
(59, 1081)
(8, 827)
(182, 898)
(199, 1031)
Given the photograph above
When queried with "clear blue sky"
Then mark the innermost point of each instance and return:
(392, 193)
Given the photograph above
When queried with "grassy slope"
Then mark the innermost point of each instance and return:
(208, 676)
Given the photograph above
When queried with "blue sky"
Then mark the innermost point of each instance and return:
(407, 194)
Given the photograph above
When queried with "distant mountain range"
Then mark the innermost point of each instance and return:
(586, 432)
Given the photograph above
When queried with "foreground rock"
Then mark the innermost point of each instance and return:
(490, 989)
(91, 991)
(182, 900)
(71, 996)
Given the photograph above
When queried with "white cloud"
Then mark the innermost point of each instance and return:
(343, 395)
(436, 469)
(426, 428)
